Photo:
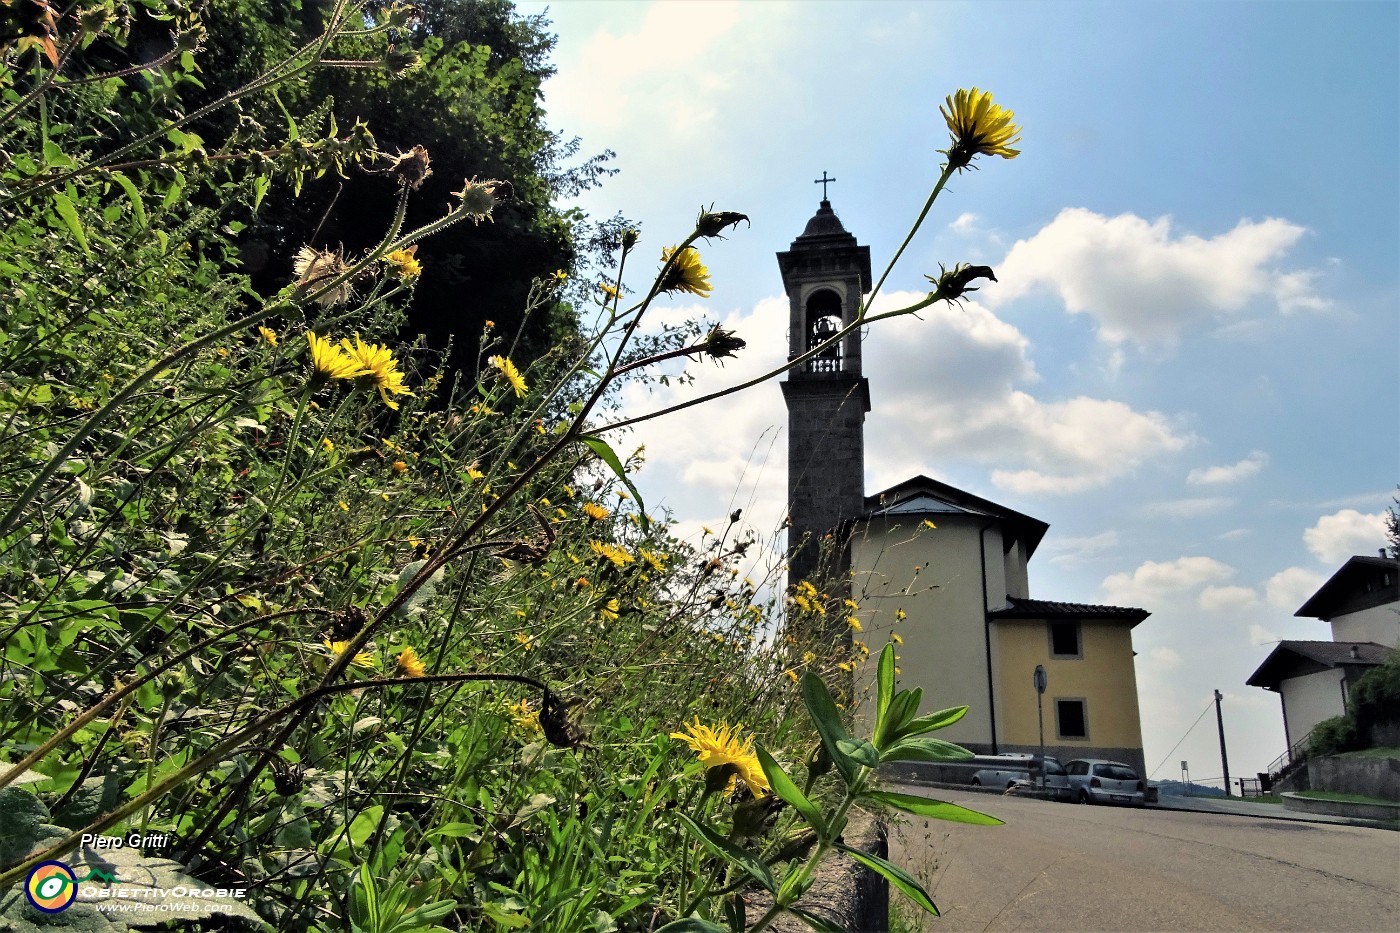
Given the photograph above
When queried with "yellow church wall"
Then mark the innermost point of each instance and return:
(944, 649)
(1104, 678)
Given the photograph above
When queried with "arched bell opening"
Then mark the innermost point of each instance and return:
(823, 322)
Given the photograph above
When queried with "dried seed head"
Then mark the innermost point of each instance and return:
(411, 167)
(478, 198)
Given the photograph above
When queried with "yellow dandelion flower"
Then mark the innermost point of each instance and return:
(410, 665)
(802, 602)
(900, 615)
(268, 335)
(894, 637)
(405, 264)
(722, 746)
(612, 552)
(223, 353)
(327, 444)
(525, 640)
(610, 291)
(686, 274)
(526, 716)
(609, 612)
(853, 622)
(850, 604)
(337, 648)
(315, 269)
(808, 657)
(595, 511)
(344, 506)
(654, 561)
(929, 524)
(979, 127)
(474, 473)
(400, 466)
(511, 374)
(582, 583)
(331, 362)
(790, 675)
(846, 666)
(378, 361)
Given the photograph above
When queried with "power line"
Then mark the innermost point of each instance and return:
(1183, 737)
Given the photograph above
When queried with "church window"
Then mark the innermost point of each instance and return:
(824, 320)
(1064, 640)
(1071, 719)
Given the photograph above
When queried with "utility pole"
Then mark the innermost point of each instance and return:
(1041, 681)
(1224, 759)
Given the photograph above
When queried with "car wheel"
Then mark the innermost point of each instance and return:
(1010, 785)
(1084, 796)
(976, 783)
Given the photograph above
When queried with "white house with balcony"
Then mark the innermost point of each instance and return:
(1361, 602)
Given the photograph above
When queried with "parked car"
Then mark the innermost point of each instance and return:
(1008, 771)
(1092, 780)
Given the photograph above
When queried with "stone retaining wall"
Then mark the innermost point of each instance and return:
(1370, 777)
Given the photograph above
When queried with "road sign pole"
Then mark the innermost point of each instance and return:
(1042, 680)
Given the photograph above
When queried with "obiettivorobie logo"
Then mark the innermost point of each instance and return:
(52, 886)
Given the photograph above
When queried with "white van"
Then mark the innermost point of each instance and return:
(1006, 771)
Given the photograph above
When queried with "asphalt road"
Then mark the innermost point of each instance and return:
(1059, 866)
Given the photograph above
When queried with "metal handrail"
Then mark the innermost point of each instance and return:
(1295, 753)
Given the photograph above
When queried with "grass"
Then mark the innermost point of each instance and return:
(1383, 752)
(1344, 798)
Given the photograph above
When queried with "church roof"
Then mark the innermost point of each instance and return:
(924, 496)
(824, 223)
(1286, 658)
(1017, 608)
(1361, 582)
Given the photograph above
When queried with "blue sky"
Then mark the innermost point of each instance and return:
(1189, 364)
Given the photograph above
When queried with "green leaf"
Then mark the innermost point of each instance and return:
(172, 194)
(902, 708)
(606, 454)
(69, 215)
(818, 923)
(784, 787)
(692, 925)
(925, 750)
(725, 849)
(933, 809)
(894, 875)
(885, 689)
(828, 721)
(138, 209)
(932, 722)
(415, 601)
(54, 157)
(860, 751)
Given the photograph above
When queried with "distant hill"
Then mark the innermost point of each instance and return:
(1182, 789)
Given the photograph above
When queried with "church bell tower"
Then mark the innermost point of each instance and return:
(825, 273)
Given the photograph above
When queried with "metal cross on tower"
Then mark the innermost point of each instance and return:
(823, 181)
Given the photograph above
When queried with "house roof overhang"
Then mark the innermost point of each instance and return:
(1346, 590)
(1050, 610)
(922, 495)
(1294, 658)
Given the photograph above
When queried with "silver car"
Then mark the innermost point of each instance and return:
(1022, 770)
(1093, 780)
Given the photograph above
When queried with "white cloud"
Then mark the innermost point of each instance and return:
(636, 76)
(1227, 598)
(965, 223)
(1259, 635)
(1235, 534)
(1289, 589)
(1244, 469)
(1071, 551)
(1140, 283)
(947, 384)
(1152, 581)
(1343, 534)
(1166, 658)
(1187, 508)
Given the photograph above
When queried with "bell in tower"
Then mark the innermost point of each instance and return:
(825, 274)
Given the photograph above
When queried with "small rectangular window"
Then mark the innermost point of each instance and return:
(1071, 719)
(1064, 640)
